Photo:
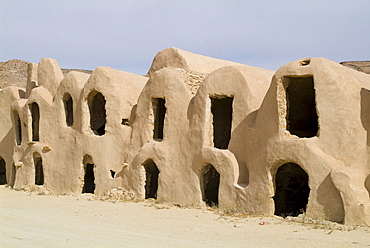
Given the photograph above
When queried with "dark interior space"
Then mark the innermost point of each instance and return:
(35, 113)
(292, 190)
(211, 184)
(89, 179)
(18, 128)
(222, 111)
(302, 119)
(2, 172)
(98, 114)
(159, 114)
(151, 183)
(39, 171)
(68, 108)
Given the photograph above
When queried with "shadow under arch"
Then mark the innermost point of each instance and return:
(291, 190)
(329, 197)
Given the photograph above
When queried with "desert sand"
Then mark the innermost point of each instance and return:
(30, 219)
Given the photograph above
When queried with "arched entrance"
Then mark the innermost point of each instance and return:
(2, 171)
(292, 190)
(89, 176)
(151, 182)
(39, 170)
(210, 183)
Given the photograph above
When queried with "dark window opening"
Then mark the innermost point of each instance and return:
(159, 110)
(151, 183)
(18, 128)
(89, 179)
(2, 172)
(302, 119)
(35, 113)
(68, 108)
(98, 114)
(222, 111)
(112, 173)
(292, 190)
(39, 171)
(211, 184)
(125, 122)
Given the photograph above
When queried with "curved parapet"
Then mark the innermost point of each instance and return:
(49, 75)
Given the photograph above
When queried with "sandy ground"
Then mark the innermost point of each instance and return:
(33, 220)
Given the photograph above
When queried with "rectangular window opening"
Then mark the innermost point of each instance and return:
(222, 112)
(159, 110)
(302, 118)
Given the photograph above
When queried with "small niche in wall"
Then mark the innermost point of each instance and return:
(125, 122)
(35, 114)
(18, 128)
(222, 112)
(159, 110)
(68, 109)
(302, 118)
(98, 116)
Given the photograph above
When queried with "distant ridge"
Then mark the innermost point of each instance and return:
(14, 72)
(362, 66)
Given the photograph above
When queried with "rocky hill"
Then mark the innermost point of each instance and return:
(363, 66)
(14, 73)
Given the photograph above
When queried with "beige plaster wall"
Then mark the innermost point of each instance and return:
(336, 159)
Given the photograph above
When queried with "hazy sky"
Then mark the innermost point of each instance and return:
(127, 34)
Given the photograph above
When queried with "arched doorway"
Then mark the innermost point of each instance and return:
(89, 175)
(151, 182)
(2, 172)
(292, 190)
(39, 170)
(210, 183)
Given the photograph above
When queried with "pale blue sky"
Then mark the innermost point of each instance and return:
(127, 34)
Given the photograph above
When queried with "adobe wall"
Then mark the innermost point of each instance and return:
(197, 130)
